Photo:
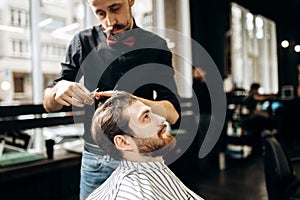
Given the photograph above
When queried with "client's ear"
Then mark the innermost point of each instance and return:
(131, 2)
(123, 143)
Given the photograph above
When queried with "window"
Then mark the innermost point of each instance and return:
(59, 21)
(20, 48)
(19, 84)
(50, 23)
(253, 50)
(142, 12)
(147, 19)
(19, 17)
(53, 51)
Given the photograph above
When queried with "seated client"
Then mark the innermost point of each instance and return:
(128, 130)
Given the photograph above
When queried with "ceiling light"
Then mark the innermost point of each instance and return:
(67, 28)
(5, 85)
(62, 36)
(285, 43)
(259, 22)
(45, 22)
(297, 48)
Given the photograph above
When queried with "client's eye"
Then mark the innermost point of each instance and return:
(147, 117)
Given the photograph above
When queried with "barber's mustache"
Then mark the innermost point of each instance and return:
(117, 27)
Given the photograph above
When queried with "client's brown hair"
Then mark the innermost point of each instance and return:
(108, 121)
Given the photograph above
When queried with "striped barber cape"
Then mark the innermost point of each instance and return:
(143, 181)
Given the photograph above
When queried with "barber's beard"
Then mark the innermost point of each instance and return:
(155, 146)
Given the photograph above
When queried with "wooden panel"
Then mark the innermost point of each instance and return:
(56, 178)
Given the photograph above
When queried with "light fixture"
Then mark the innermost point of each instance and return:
(45, 22)
(297, 48)
(67, 28)
(62, 36)
(285, 43)
(61, 33)
(5, 85)
(259, 22)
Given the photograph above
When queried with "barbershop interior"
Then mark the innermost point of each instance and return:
(237, 72)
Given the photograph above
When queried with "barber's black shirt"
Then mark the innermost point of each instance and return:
(144, 69)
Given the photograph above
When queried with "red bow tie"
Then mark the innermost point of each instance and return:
(129, 41)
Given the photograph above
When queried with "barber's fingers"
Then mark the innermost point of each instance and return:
(64, 88)
(68, 101)
(108, 93)
(75, 94)
(81, 88)
(82, 94)
(71, 93)
(64, 99)
(63, 95)
(76, 102)
(88, 100)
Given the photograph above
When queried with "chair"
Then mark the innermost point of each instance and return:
(281, 181)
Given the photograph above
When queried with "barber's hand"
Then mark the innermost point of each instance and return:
(199, 73)
(70, 93)
(109, 93)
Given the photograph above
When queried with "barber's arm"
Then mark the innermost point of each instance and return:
(163, 107)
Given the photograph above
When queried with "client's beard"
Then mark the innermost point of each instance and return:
(155, 146)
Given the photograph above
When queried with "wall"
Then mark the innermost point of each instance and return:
(210, 22)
